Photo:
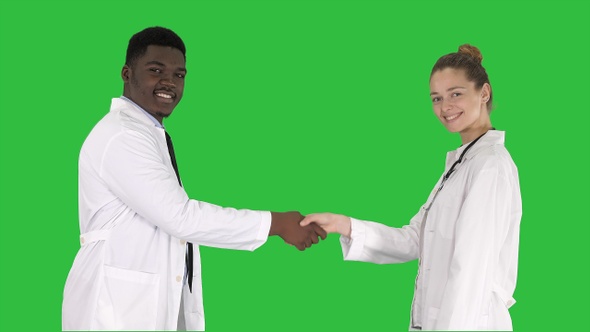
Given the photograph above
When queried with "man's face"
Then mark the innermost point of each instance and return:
(155, 81)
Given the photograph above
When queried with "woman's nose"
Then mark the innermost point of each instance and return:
(446, 105)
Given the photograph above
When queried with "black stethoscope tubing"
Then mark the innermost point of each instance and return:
(452, 169)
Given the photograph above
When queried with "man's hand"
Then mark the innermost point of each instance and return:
(286, 225)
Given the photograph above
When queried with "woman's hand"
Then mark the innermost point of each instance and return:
(330, 222)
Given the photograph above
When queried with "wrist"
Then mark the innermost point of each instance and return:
(344, 226)
(275, 224)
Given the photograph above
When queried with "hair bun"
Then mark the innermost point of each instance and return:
(472, 51)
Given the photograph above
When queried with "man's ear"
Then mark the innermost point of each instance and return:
(125, 72)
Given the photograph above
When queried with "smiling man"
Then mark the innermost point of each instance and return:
(155, 80)
(138, 267)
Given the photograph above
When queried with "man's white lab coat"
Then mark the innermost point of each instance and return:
(135, 221)
(468, 262)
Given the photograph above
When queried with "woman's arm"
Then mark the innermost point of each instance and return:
(373, 242)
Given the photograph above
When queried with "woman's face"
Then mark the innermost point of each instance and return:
(457, 103)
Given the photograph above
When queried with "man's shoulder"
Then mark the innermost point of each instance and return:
(117, 126)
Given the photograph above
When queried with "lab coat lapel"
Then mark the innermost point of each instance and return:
(492, 137)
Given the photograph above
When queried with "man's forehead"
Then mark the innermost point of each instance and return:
(163, 54)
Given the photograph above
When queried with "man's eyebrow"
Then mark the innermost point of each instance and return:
(158, 63)
(155, 62)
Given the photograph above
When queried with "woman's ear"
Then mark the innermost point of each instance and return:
(486, 92)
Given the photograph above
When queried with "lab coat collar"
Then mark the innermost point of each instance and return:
(151, 117)
(131, 109)
(492, 137)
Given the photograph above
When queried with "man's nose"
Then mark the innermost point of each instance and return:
(168, 82)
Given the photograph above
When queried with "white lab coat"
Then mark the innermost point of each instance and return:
(468, 261)
(135, 221)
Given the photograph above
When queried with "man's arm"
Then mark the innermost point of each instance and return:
(135, 172)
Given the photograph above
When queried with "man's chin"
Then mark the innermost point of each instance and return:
(163, 115)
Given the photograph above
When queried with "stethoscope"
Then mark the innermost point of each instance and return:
(442, 184)
(452, 169)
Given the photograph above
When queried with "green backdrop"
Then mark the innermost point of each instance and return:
(300, 105)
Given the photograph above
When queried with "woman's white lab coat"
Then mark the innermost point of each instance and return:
(135, 221)
(469, 253)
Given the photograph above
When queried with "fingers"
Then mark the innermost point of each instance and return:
(313, 236)
(324, 220)
(319, 231)
(314, 233)
(308, 238)
(307, 220)
(304, 231)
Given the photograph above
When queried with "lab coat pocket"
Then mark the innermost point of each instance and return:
(444, 215)
(128, 300)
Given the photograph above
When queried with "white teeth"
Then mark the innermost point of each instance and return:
(163, 95)
(452, 117)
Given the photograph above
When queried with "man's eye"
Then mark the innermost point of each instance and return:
(180, 75)
(156, 70)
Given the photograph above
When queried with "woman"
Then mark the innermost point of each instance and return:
(466, 234)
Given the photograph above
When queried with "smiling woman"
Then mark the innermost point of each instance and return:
(461, 93)
(466, 234)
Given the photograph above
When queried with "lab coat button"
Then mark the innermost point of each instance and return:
(183, 242)
(178, 278)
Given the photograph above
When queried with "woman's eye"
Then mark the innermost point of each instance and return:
(456, 94)
(435, 99)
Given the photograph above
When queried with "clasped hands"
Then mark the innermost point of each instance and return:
(302, 232)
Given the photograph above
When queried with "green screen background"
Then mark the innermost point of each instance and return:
(300, 105)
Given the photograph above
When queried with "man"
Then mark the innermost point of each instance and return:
(137, 268)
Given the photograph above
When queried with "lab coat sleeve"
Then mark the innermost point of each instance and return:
(377, 243)
(480, 231)
(134, 170)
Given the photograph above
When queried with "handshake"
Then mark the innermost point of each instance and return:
(302, 232)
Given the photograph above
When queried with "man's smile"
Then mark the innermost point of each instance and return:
(165, 96)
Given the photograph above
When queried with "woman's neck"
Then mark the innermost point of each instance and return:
(470, 135)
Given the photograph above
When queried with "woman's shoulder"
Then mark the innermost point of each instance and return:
(493, 158)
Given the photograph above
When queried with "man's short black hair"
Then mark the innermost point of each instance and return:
(140, 41)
